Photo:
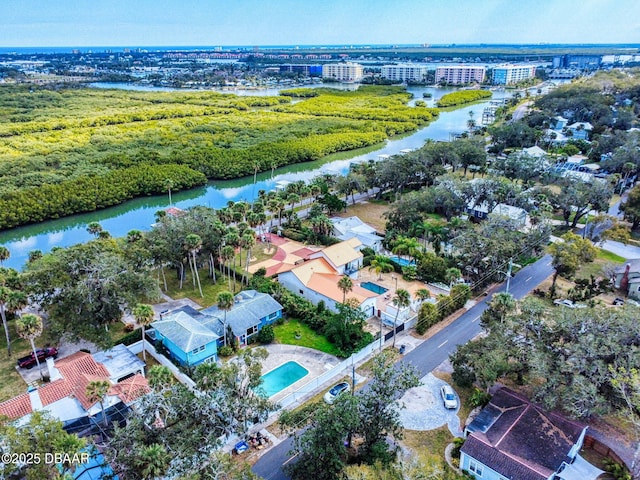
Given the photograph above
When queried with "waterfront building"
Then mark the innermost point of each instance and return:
(304, 69)
(460, 74)
(343, 71)
(405, 72)
(508, 74)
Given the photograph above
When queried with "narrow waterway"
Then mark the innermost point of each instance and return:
(139, 213)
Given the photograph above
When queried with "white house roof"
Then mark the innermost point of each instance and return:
(581, 125)
(534, 151)
(119, 361)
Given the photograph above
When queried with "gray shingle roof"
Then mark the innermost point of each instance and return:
(184, 331)
(249, 308)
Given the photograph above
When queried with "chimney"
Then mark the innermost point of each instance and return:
(624, 282)
(54, 373)
(34, 397)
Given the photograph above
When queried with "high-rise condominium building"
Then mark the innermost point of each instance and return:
(508, 74)
(460, 74)
(345, 72)
(404, 73)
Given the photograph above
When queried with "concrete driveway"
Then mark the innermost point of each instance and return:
(425, 410)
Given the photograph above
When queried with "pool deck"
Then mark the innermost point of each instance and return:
(314, 361)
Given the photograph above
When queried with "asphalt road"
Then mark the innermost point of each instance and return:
(428, 355)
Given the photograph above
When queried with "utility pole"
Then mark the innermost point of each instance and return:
(508, 272)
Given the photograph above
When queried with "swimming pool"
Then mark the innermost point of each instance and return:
(280, 378)
(403, 262)
(374, 287)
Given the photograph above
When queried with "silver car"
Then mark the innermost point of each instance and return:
(448, 397)
(336, 391)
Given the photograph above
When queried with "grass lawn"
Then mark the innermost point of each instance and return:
(286, 333)
(608, 256)
(370, 213)
(210, 290)
(12, 383)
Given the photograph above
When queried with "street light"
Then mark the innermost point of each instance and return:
(393, 277)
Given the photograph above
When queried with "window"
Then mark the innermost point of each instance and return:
(197, 350)
(252, 330)
(475, 467)
(273, 315)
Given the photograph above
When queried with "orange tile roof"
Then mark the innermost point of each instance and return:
(16, 407)
(78, 370)
(327, 285)
(305, 270)
(131, 388)
(343, 252)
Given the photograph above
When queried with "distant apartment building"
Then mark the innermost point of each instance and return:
(510, 74)
(304, 69)
(460, 74)
(405, 73)
(344, 72)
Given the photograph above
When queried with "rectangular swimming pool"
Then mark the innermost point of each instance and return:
(374, 287)
(403, 262)
(280, 378)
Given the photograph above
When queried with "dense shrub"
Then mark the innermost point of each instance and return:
(463, 96)
(266, 335)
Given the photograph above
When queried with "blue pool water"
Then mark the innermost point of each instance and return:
(374, 287)
(403, 262)
(280, 378)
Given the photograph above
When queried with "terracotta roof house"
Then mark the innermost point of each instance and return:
(513, 438)
(65, 396)
(317, 280)
(345, 257)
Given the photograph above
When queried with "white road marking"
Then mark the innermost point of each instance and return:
(442, 343)
(528, 279)
(287, 461)
(475, 319)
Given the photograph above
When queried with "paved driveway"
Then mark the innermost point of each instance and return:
(425, 410)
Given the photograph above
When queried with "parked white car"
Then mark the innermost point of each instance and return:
(448, 397)
(336, 391)
(568, 303)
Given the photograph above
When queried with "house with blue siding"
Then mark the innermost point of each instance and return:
(513, 438)
(251, 311)
(193, 336)
(188, 341)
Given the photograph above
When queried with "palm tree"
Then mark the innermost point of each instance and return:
(226, 255)
(423, 294)
(248, 242)
(346, 285)
(143, 314)
(4, 255)
(381, 264)
(5, 293)
(168, 185)
(96, 391)
(29, 327)
(193, 244)
(451, 275)
(225, 303)
(94, 228)
(502, 304)
(401, 300)
(159, 376)
(153, 461)
(407, 246)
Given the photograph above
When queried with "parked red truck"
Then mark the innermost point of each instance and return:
(29, 361)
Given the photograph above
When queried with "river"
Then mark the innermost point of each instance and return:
(139, 213)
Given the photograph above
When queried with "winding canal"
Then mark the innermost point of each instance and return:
(139, 213)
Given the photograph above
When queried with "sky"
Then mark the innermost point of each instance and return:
(52, 23)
